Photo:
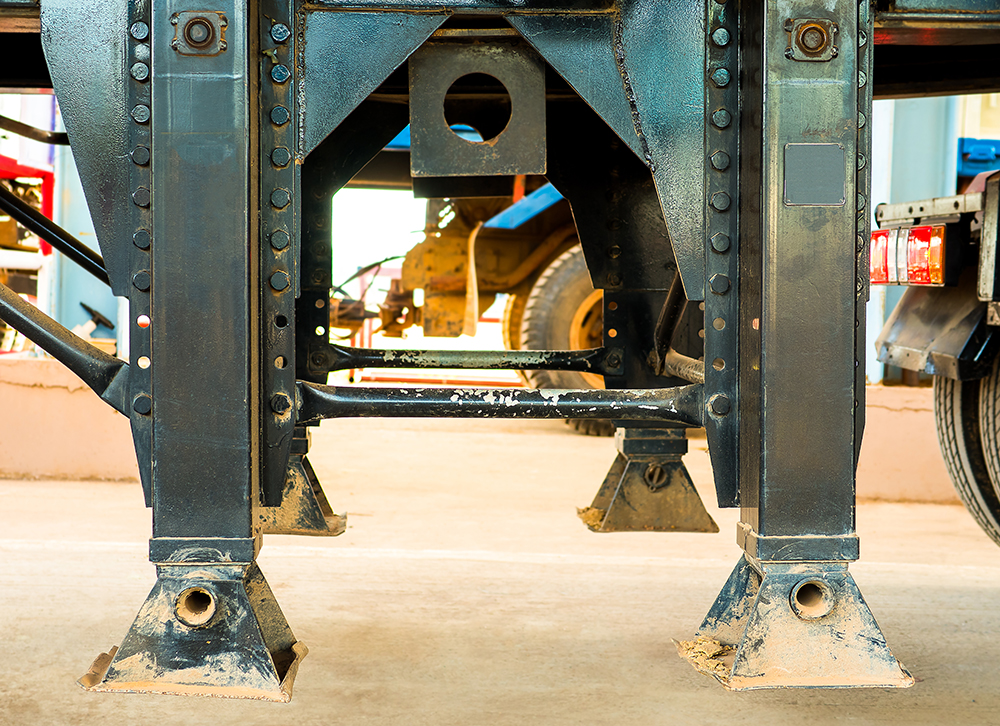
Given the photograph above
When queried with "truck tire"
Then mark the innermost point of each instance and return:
(563, 312)
(968, 447)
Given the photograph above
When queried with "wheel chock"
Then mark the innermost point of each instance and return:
(204, 630)
(304, 507)
(793, 625)
(648, 488)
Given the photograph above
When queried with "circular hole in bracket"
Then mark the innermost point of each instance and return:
(280, 321)
(280, 362)
(812, 599)
(719, 364)
(195, 606)
(144, 362)
(477, 108)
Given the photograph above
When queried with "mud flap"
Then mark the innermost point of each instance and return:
(304, 507)
(204, 630)
(648, 488)
(802, 625)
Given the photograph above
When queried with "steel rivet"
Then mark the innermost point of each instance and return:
(720, 404)
(142, 404)
(720, 160)
(141, 239)
(140, 71)
(279, 281)
(139, 31)
(280, 115)
(140, 155)
(720, 37)
(279, 239)
(280, 74)
(720, 242)
(140, 114)
(280, 33)
(281, 157)
(142, 280)
(720, 77)
(141, 197)
(722, 118)
(720, 201)
(280, 198)
(719, 284)
(280, 403)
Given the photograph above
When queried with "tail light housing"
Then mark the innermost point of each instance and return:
(908, 256)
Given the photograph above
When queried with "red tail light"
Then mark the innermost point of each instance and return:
(908, 256)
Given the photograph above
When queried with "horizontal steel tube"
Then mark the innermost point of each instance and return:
(684, 404)
(36, 222)
(30, 132)
(592, 360)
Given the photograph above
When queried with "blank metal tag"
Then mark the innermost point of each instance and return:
(815, 175)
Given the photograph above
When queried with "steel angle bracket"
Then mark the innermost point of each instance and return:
(204, 630)
(648, 488)
(793, 625)
(304, 507)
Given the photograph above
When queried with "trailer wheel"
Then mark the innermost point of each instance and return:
(564, 312)
(968, 447)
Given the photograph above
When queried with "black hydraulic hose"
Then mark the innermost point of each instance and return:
(30, 132)
(104, 373)
(52, 233)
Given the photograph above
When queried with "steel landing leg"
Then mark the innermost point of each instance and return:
(793, 624)
(204, 630)
(648, 489)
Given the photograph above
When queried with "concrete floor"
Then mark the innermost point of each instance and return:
(466, 591)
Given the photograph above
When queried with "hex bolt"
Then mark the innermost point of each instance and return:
(720, 404)
(279, 281)
(142, 404)
(141, 114)
(280, 403)
(280, 198)
(720, 37)
(139, 31)
(722, 118)
(279, 239)
(719, 284)
(139, 71)
(141, 239)
(318, 359)
(720, 160)
(141, 197)
(720, 201)
(280, 73)
(614, 252)
(655, 476)
(614, 279)
(280, 33)
(140, 155)
(281, 157)
(614, 360)
(280, 115)
(142, 280)
(720, 77)
(720, 242)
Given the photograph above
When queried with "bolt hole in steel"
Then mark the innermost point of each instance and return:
(812, 599)
(144, 362)
(280, 321)
(320, 330)
(719, 364)
(612, 333)
(199, 32)
(195, 606)
(143, 321)
(280, 362)
(477, 108)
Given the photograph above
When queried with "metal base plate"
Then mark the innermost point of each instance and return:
(793, 625)
(204, 630)
(652, 493)
(304, 507)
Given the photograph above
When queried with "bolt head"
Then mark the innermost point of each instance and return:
(720, 160)
(280, 74)
(140, 155)
(140, 114)
(614, 360)
(280, 115)
(318, 359)
(280, 33)
(142, 280)
(720, 36)
(281, 157)
(279, 280)
(720, 77)
(720, 242)
(614, 279)
(722, 118)
(141, 197)
(280, 198)
(279, 239)
(280, 403)
(139, 31)
(141, 239)
(142, 404)
(614, 252)
(719, 283)
(720, 404)
(720, 201)
(139, 71)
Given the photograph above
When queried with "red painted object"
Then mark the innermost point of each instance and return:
(11, 169)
